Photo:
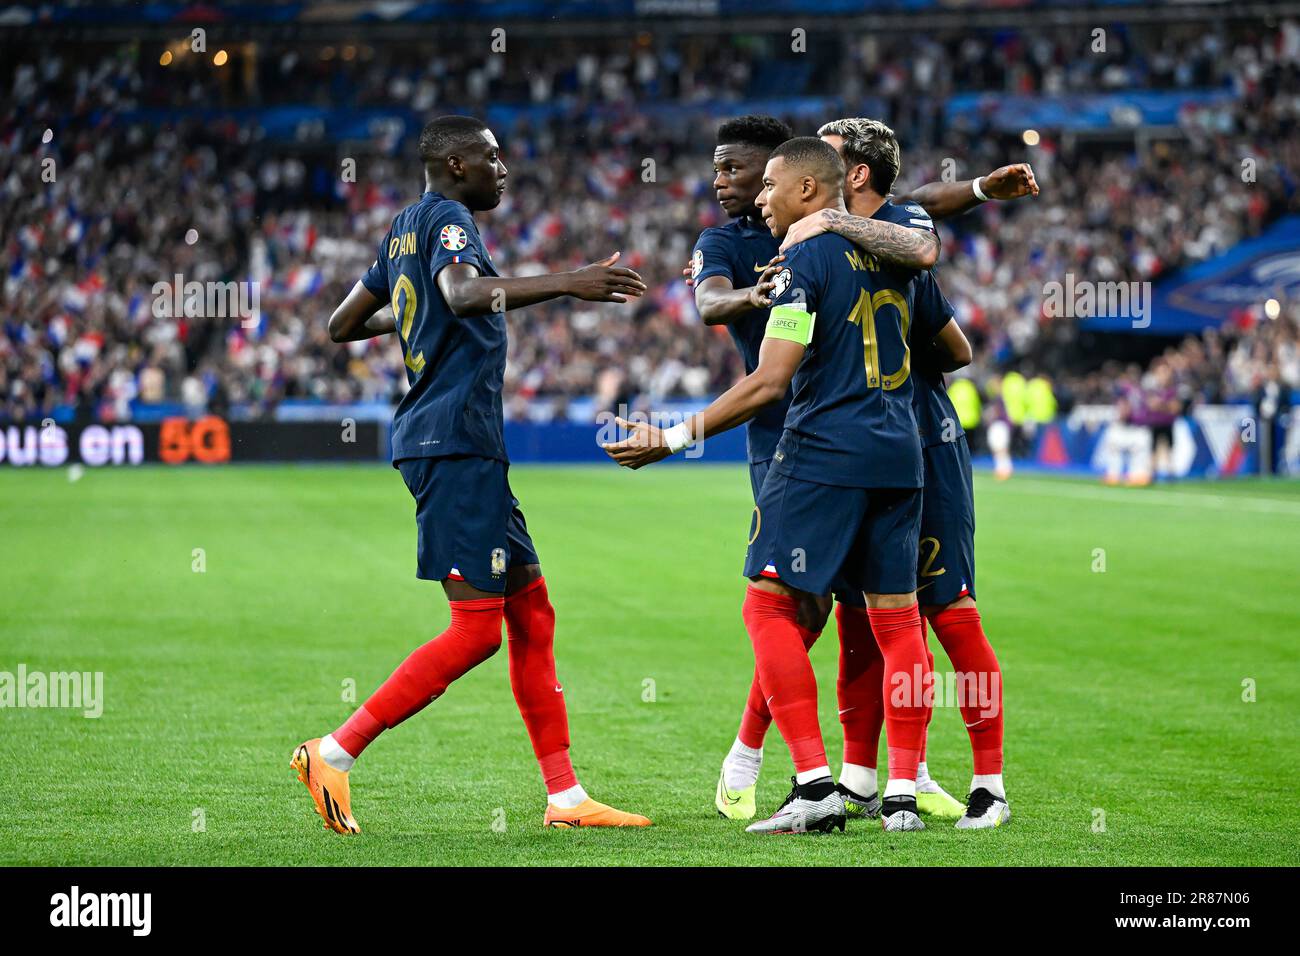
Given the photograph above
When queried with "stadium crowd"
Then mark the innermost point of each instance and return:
(100, 208)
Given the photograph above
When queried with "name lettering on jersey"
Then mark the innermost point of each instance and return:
(861, 261)
(403, 245)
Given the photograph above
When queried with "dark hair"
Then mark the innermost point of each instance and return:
(762, 132)
(445, 135)
(814, 156)
(869, 143)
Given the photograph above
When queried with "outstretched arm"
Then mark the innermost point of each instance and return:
(945, 200)
(355, 317)
(777, 360)
(469, 293)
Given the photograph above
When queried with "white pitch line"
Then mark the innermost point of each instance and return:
(1155, 496)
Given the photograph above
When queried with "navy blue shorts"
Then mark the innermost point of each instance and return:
(947, 546)
(470, 526)
(814, 537)
(757, 472)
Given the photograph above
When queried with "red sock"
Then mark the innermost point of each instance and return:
(786, 674)
(860, 686)
(898, 633)
(757, 718)
(530, 632)
(929, 711)
(979, 684)
(472, 637)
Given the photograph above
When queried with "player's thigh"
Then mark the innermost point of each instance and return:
(463, 509)
(885, 549)
(802, 532)
(946, 560)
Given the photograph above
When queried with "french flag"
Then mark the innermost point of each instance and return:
(304, 281)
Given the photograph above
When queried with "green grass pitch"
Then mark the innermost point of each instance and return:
(1128, 739)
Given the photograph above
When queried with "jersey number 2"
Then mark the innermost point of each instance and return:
(404, 314)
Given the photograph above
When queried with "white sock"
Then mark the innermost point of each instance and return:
(897, 787)
(334, 755)
(567, 799)
(992, 782)
(742, 765)
(808, 776)
(861, 780)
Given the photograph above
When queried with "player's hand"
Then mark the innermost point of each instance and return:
(760, 292)
(644, 445)
(806, 228)
(1010, 182)
(688, 273)
(602, 282)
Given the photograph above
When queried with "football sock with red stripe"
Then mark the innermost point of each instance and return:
(756, 719)
(530, 632)
(898, 634)
(786, 674)
(473, 636)
(979, 685)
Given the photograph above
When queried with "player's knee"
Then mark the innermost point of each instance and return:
(479, 628)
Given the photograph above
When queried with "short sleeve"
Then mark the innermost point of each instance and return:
(797, 291)
(712, 257)
(376, 278)
(931, 310)
(455, 239)
(914, 216)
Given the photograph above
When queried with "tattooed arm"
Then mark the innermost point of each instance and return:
(903, 245)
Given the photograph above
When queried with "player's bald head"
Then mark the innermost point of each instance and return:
(810, 156)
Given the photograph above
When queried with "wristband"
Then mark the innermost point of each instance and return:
(677, 437)
(979, 193)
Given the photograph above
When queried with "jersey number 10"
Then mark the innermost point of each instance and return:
(864, 314)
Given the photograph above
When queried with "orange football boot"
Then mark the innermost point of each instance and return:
(328, 787)
(589, 813)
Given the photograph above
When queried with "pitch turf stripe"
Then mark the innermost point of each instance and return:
(1143, 496)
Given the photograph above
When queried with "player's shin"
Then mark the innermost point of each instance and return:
(473, 636)
(979, 687)
(898, 634)
(530, 633)
(787, 678)
(860, 705)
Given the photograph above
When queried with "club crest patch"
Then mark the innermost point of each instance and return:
(697, 263)
(453, 237)
(780, 283)
(498, 560)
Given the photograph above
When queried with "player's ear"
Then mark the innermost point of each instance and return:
(861, 176)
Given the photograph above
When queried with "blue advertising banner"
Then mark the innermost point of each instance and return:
(1208, 294)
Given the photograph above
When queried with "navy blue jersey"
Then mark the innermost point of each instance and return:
(455, 365)
(935, 415)
(740, 251)
(851, 421)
